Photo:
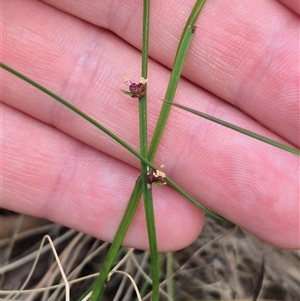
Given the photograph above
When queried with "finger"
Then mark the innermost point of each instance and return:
(244, 53)
(245, 180)
(50, 175)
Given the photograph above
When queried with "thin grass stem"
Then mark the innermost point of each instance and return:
(99, 284)
(148, 200)
(180, 57)
(237, 129)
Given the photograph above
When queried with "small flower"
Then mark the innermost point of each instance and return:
(157, 177)
(137, 90)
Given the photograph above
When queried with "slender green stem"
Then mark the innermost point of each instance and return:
(182, 50)
(76, 110)
(148, 201)
(238, 129)
(99, 284)
(193, 201)
(146, 192)
(143, 99)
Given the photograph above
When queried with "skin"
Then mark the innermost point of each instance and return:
(243, 67)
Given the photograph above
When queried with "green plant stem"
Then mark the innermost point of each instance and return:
(237, 128)
(148, 201)
(75, 110)
(99, 284)
(180, 57)
(193, 201)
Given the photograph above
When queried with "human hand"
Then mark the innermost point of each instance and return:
(240, 68)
